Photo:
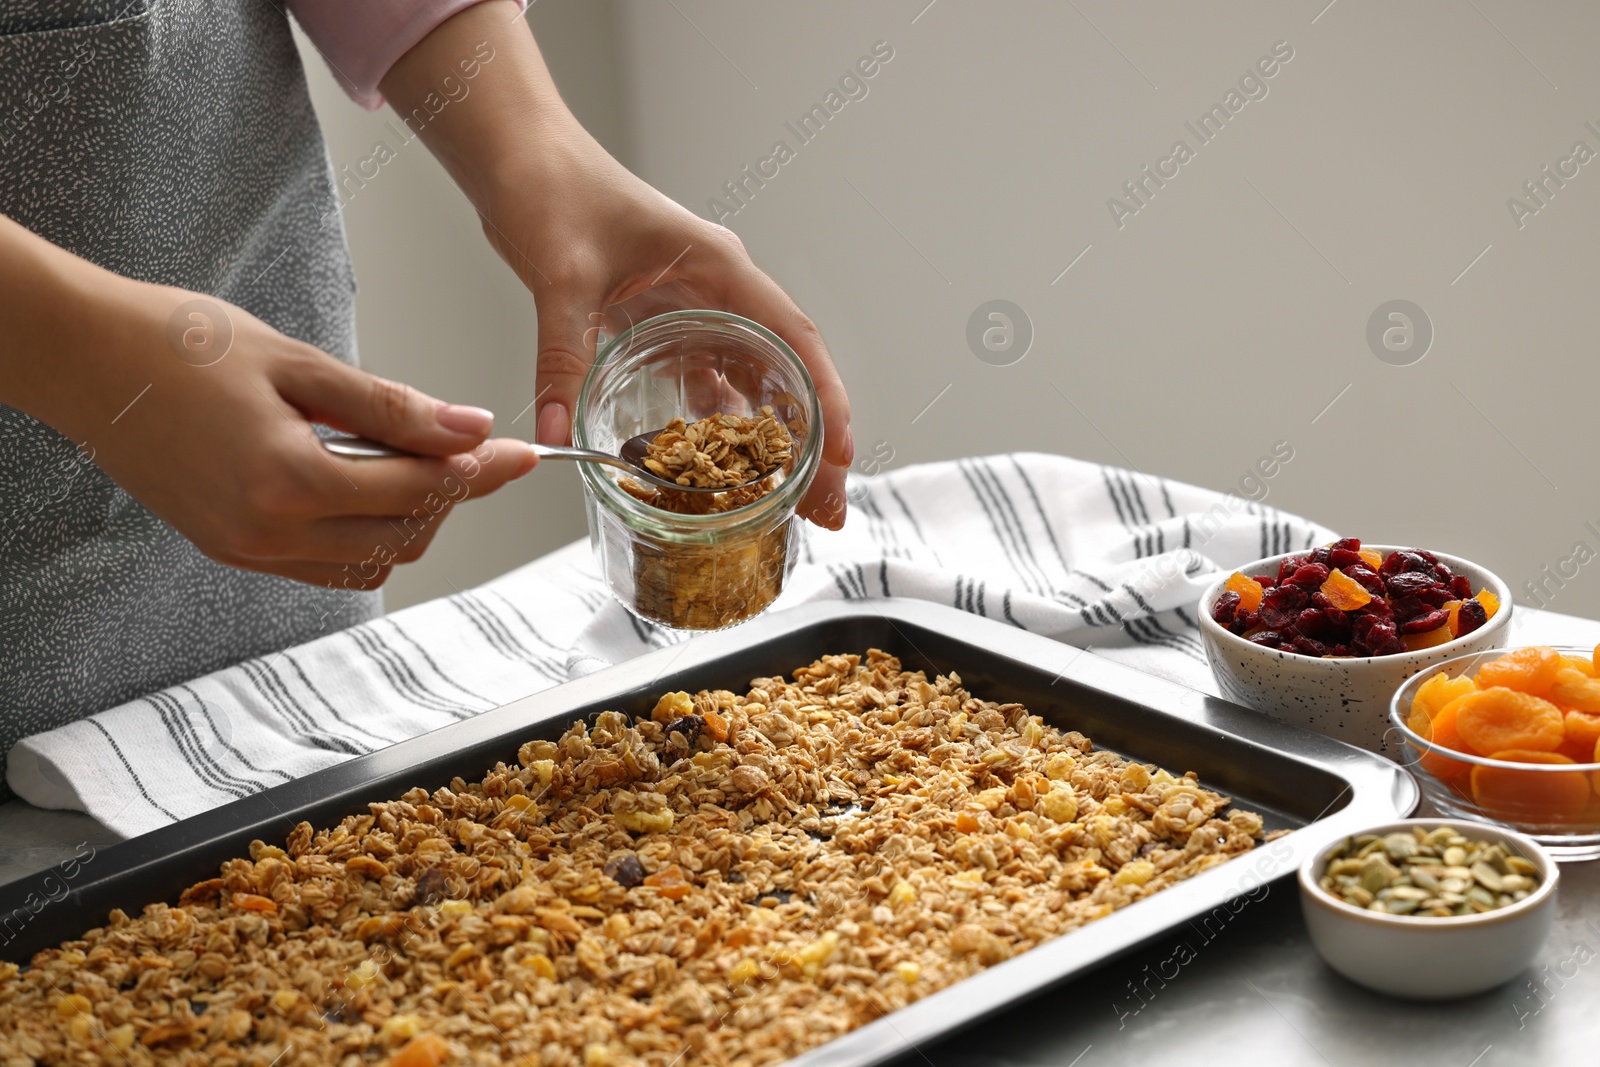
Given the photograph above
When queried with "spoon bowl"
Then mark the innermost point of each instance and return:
(631, 458)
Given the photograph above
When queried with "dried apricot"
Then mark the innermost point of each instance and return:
(1372, 556)
(1527, 670)
(1344, 592)
(1576, 690)
(1518, 795)
(1427, 639)
(1439, 690)
(1582, 736)
(1497, 719)
(1490, 602)
(669, 883)
(1249, 590)
(424, 1050)
(1579, 664)
(1442, 731)
(716, 726)
(254, 902)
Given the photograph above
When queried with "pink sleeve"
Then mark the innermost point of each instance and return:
(362, 39)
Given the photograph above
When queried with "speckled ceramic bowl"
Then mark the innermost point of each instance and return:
(1426, 958)
(1347, 699)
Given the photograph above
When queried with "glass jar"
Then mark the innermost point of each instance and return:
(695, 572)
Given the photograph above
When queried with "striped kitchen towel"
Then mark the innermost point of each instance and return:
(1104, 558)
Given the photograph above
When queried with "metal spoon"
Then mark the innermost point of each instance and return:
(631, 459)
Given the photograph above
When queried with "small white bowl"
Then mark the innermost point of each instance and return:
(1347, 699)
(1424, 958)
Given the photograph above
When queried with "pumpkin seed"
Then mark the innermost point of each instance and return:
(1435, 873)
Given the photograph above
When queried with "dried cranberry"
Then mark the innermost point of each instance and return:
(1307, 646)
(1245, 621)
(1269, 638)
(1341, 650)
(1471, 616)
(1346, 544)
(1320, 601)
(687, 725)
(1311, 576)
(1288, 566)
(625, 869)
(1366, 577)
(1461, 587)
(431, 888)
(1425, 554)
(1402, 560)
(1376, 608)
(1343, 557)
(1425, 623)
(1407, 607)
(1310, 622)
(1408, 583)
(1321, 555)
(1335, 624)
(1370, 632)
(1226, 607)
(1435, 596)
(1280, 605)
(1265, 582)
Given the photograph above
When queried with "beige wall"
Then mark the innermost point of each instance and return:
(1223, 316)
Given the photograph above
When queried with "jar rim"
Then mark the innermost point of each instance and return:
(661, 522)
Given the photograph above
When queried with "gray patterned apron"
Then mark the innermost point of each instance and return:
(171, 141)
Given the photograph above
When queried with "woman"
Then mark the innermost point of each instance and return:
(177, 302)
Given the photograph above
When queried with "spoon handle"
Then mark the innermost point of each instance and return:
(366, 448)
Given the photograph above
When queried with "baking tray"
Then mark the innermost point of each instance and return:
(1317, 788)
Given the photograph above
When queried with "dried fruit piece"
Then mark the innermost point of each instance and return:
(1416, 642)
(624, 869)
(1497, 719)
(1579, 663)
(1344, 592)
(1527, 670)
(1226, 609)
(1582, 736)
(1437, 691)
(670, 883)
(425, 1050)
(1442, 732)
(1576, 690)
(1309, 576)
(1426, 623)
(254, 902)
(1490, 602)
(1527, 795)
(1248, 589)
(1372, 556)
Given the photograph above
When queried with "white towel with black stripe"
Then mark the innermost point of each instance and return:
(1104, 558)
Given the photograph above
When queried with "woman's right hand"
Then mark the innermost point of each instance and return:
(223, 449)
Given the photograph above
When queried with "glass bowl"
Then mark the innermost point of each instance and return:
(1558, 805)
(695, 571)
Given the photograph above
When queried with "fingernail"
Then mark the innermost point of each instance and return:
(849, 446)
(553, 424)
(459, 418)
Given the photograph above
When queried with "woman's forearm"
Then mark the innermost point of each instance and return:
(477, 91)
(60, 315)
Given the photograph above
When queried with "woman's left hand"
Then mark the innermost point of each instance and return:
(582, 232)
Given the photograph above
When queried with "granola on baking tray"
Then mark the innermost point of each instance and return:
(733, 879)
